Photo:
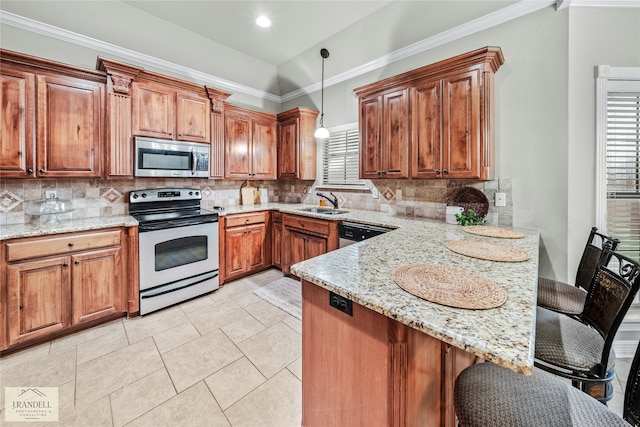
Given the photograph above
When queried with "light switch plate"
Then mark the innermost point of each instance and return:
(501, 199)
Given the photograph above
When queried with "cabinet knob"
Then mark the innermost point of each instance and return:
(77, 262)
(65, 265)
(384, 172)
(444, 171)
(20, 306)
(437, 171)
(29, 171)
(42, 171)
(70, 244)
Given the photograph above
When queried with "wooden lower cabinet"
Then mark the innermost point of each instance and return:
(247, 246)
(305, 237)
(56, 283)
(367, 369)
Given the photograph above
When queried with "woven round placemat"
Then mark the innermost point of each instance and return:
(488, 251)
(492, 231)
(449, 286)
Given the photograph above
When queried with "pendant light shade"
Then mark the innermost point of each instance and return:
(322, 132)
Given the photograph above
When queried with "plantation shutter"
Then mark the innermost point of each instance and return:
(340, 159)
(623, 170)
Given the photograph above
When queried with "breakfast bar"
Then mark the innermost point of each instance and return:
(375, 354)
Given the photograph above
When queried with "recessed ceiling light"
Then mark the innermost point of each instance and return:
(263, 21)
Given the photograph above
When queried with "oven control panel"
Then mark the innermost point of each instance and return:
(164, 194)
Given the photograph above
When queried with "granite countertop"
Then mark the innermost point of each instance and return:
(15, 231)
(363, 272)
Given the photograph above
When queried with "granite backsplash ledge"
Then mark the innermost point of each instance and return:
(96, 197)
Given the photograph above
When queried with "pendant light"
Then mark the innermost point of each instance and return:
(322, 132)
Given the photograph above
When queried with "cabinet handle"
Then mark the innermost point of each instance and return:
(378, 172)
(65, 265)
(437, 171)
(77, 262)
(20, 306)
(42, 171)
(29, 171)
(70, 244)
(444, 171)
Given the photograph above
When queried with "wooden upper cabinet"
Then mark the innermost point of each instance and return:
(52, 119)
(161, 111)
(153, 110)
(17, 135)
(296, 144)
(448, 128)
(250, 140)
(69, 126)
(193, 117)
(384, 130)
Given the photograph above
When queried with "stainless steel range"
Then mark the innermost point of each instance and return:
(178, 246)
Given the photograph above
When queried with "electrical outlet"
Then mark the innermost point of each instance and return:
(293, 188)
(375, 193)
(50, 194)
(501, 199)
(399, 195)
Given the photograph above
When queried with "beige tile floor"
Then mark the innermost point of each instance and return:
(224, 359)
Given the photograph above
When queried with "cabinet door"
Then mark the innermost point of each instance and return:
(277, 244)
(17, 136)
(69, 123)
(314, 246)
(235, 254)
(461, 141)
(288, 132)
(237, 134)
(97, 286)
(427, 130)
(153, 110)
(395, 140)
(255, 240)
(38, 300)
(370, 129)
(263, 155)
(295, 249)
(193, 120)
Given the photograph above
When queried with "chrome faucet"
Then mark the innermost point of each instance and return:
(334, 202)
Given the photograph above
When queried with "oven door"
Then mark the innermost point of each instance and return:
(174, 254)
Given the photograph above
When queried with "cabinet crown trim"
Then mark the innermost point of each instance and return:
(35, 63)
(490, 57)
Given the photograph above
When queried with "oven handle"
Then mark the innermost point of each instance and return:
(164, 290)
(194, 161)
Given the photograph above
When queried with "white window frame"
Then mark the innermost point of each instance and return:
(320, 185)
(607, 78)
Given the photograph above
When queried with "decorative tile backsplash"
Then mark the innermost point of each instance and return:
(94, 197)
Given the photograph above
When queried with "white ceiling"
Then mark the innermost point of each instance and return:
(296, 25)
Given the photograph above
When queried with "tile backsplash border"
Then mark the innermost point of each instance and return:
(97, 197)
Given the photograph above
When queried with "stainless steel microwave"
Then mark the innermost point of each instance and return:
(177, 159)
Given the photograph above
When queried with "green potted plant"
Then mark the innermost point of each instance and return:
(469, 218)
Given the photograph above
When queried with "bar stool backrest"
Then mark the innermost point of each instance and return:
(613, 288)
(591, 257)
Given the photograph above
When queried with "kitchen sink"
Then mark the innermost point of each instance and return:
(325, 211)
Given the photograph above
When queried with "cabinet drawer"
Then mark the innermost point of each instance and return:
(245, 219)
(61, 245)
(306, 223)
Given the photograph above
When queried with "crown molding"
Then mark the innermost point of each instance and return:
(493, 19)
(498, 17)
(137, 58)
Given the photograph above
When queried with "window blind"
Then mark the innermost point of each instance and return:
(623, 170)
(340, 159)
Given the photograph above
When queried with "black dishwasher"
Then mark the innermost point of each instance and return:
(352, 232)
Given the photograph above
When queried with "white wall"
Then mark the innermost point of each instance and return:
(531, 118)
(597, 36)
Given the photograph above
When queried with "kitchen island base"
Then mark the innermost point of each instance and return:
(367, 369)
